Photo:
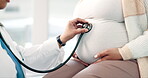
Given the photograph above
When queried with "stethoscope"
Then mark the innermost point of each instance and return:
(85, 25)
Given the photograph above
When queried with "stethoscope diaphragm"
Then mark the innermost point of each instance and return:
(87, 26)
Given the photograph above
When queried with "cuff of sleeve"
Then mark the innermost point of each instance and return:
(54, 44)
(125, 53)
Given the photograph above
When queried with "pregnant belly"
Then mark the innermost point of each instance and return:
(104, 35)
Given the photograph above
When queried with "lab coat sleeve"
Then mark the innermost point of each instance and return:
(44, 56)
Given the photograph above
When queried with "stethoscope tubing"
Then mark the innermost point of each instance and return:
(45, 71)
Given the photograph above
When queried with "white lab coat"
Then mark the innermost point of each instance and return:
(42, 56)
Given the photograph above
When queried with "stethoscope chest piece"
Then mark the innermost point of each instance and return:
(87, 26)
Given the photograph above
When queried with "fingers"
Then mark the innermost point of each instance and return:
(74, 55)
(79, 30)
(104, 55)
(76, 58)
(102, 59)
(110, 54)
(76, 24)
(101, 54)
(77, 21)
(80, 61)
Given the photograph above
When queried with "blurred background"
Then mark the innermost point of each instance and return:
(31, 22)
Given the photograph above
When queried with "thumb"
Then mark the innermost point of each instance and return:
(80, 30)
(102, 59)
(101, 54)
(105, 58)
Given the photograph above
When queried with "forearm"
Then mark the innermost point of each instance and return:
(136, 48)
(45, 55)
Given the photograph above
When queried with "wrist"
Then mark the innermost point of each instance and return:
(61, 41)
(63, 38)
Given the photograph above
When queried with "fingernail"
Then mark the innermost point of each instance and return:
(75, 55)
(86, 30)
(95, 56)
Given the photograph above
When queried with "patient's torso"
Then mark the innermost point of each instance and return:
(108, 28)
(105, 34)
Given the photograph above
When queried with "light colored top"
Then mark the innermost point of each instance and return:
(42, 56)
(100, 9)
(105, 34)
(108, 31)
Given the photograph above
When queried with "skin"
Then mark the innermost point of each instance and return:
(3, 3)
(71, 29)
(109, 54)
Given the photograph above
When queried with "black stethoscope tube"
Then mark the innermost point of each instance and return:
(50, 70)
(86, 25)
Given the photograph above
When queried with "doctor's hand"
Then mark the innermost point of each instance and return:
(109, 54)
(72, 29)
